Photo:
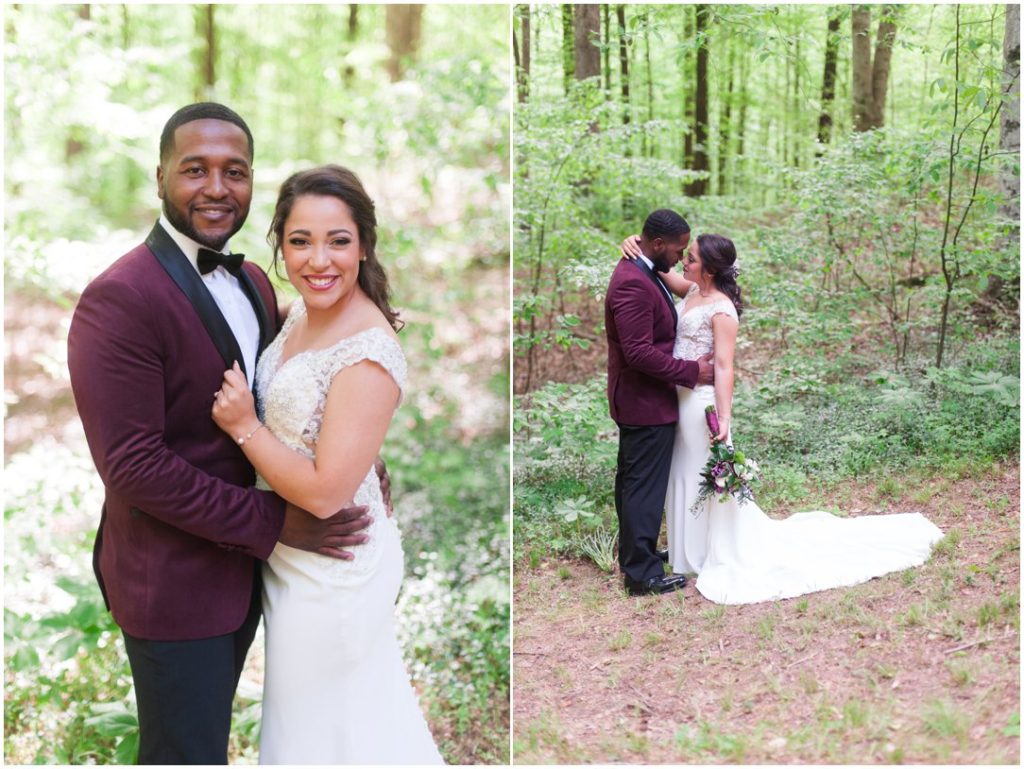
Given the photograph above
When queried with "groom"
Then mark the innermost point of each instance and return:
(640, 323)
(183, 531)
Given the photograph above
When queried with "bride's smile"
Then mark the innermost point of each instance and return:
(322, 251)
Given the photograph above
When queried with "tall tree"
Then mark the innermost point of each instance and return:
(523, 59)
(403, 27)
(606, 50)
(1009, 125)
(828, 78)
(620, 16)
(725, 126)
(568, 43)
(699, 187)
(687, 76)
(871, 77)
(206, 31)
(884, 39)
(587, 33)
(628, 201)
(351, 33)
(1009, 142)
(863, 101)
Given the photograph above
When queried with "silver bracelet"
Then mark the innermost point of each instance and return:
(241, 441)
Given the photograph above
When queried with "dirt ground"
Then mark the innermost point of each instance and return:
(921, 666)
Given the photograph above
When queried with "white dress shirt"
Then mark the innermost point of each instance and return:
(230, 297)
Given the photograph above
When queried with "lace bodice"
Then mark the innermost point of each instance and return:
(291, 398)
(693, 332)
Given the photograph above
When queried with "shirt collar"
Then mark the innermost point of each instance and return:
(648, 262)
(188, 246)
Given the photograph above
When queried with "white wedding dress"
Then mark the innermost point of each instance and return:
(335, 688)
(739, 554)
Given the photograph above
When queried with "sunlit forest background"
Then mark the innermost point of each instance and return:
(416, 100)
(865, 161)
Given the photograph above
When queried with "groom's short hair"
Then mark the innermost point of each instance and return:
(204, 110)
(664, 223)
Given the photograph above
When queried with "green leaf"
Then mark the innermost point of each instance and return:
(112, 720)
(127, 751)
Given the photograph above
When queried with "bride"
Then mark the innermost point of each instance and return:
(739, 554)
(335, 687)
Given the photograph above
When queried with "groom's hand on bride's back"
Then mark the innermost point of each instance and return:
(706, 369)
(327, 536)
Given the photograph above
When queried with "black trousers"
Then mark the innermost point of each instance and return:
(641, 480)
(184, 691)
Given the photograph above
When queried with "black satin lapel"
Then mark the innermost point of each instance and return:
(267, 328)
(660, 286)
(187, 279)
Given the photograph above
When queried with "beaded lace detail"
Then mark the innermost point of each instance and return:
(693, 332)
(291, 398)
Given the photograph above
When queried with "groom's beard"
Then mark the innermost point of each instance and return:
(660, 263)
(181, 223)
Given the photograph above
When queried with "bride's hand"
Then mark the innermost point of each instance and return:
(723, 430)
(631, 248)
(234, 409)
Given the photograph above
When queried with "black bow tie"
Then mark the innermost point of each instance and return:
(209, 260)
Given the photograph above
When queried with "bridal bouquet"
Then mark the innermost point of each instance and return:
(727, 471)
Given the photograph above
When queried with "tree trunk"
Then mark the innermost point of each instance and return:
(724, 128)
(828, 79)
(687, 78)
(648, 145)
(620, 15)
(1009, 142)
(206, 31)
(352, 31)
(796, 105)
(523, 64)
(353, 21)
(403, 27)
(880, 67)
(1009, 124)
(739, 167)
(126, 29)
(860, 25)
(628, 201)
(699, 187)
(568, 60)
(587, 31)
(606, 50)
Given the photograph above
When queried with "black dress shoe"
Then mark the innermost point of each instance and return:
(662, 554)
(655, 585)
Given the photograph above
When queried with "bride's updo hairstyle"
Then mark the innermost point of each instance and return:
(338, 182)
(718, 257)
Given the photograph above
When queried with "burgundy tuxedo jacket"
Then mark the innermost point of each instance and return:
(640, 323)
(181, 524)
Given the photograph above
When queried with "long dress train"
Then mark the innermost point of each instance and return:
(741, 555)
(335, 690)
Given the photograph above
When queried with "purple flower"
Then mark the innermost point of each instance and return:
(712, 419)
(720, 469)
